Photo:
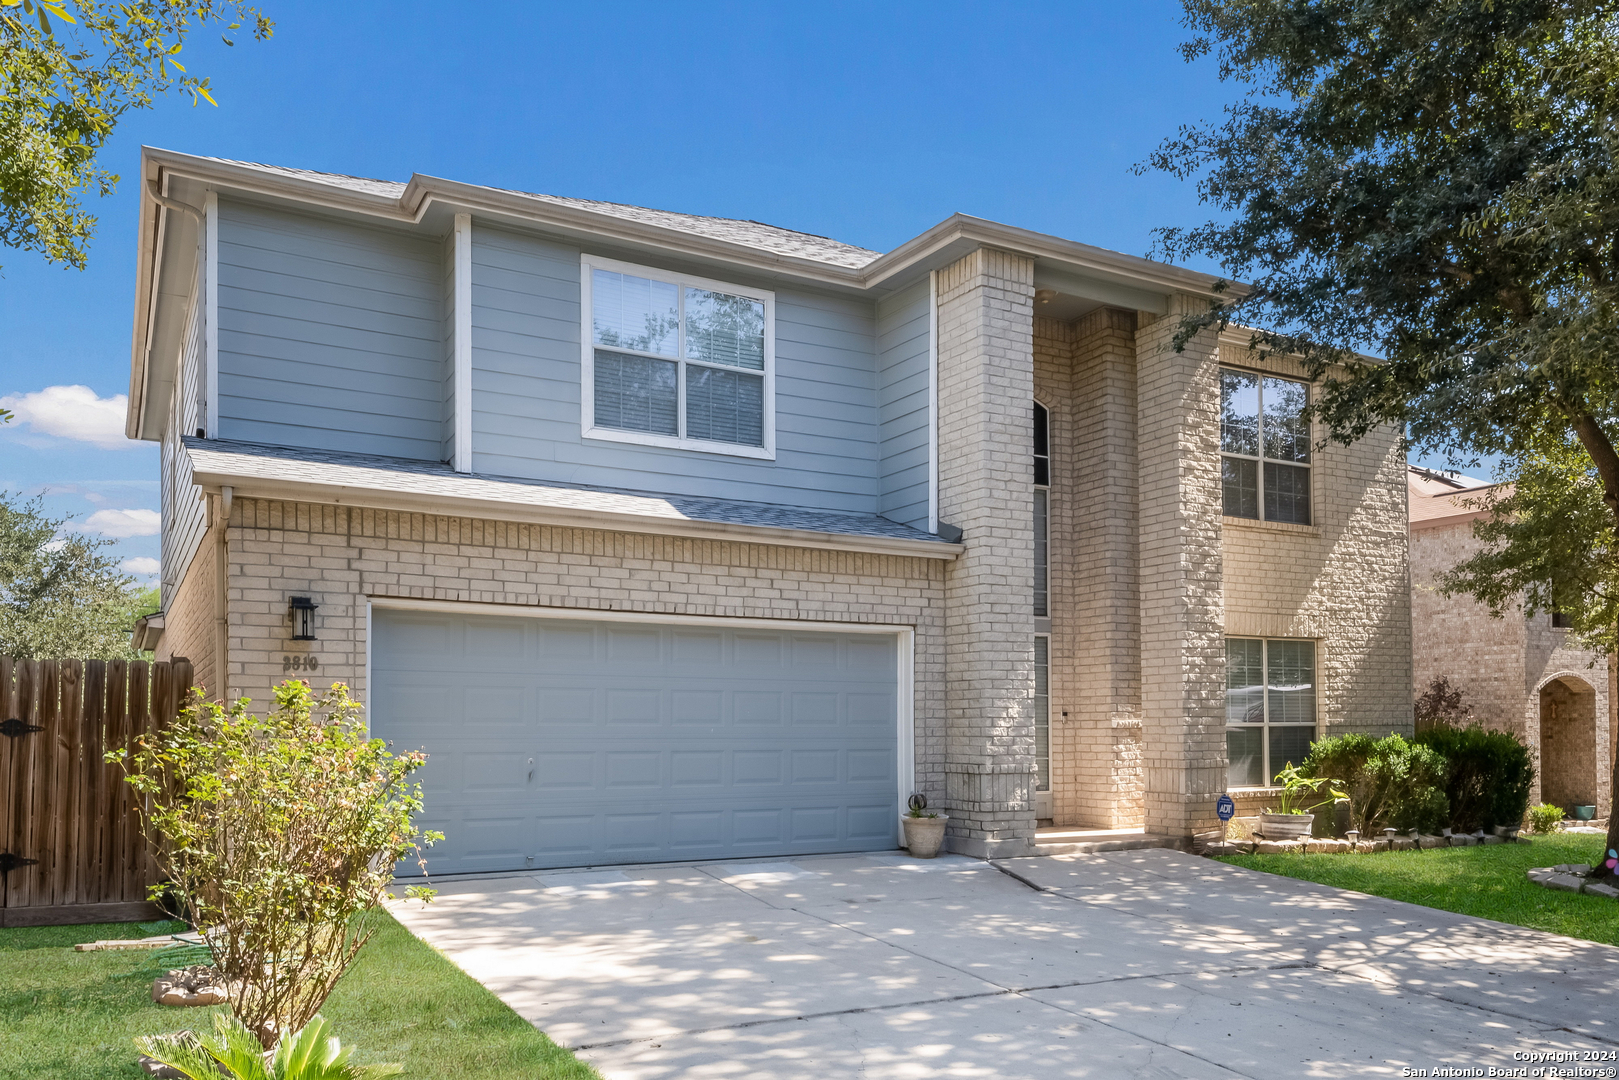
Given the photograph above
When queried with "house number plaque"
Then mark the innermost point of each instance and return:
(300, 662)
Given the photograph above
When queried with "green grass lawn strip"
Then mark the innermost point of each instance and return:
(67, 1015)
(1486, 882)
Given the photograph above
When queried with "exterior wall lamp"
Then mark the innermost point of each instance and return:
(302, 612)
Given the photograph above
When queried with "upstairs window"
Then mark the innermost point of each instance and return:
(677, 361)
(1264, 447)
(1042, 511)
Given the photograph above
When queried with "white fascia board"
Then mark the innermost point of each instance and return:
(565, 517)
(145, 278)
(423, 190)
(210, 310)
(1084, 259)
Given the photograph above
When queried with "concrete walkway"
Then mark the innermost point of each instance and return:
(1145, 963)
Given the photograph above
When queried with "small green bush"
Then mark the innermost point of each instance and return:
(1490, 774)
(1545, 818)
(1391, 782)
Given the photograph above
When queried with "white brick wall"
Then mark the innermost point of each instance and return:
(986, 386)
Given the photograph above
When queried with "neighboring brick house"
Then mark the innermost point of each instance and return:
(1518, 674)
(679, 537)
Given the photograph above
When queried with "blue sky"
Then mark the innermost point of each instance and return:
(865, 122)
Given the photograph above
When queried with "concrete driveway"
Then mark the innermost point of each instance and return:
(1129, 964)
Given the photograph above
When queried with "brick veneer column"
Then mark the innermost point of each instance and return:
(1182, 609)
(1104, 722)
(986, 383)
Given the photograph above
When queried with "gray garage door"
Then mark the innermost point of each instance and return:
(561, 742)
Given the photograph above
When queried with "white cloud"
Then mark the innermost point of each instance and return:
(122, 524)
(73, 412)
(142, 564)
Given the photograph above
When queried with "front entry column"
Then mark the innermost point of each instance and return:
(1181, 576)
(985, 422)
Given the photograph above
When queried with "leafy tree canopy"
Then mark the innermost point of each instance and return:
(1435, 182)
(69, 69)
(60, 594)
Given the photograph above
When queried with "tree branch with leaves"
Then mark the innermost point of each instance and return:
(69, 70)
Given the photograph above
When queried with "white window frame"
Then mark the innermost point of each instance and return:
(587, 389)
(1259, 479)
(1267, 774)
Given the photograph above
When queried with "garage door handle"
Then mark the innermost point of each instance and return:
(530, 771)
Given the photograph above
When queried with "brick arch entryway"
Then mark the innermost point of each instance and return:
(1568, 742)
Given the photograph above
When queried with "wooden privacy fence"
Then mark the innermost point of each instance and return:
(70, 842)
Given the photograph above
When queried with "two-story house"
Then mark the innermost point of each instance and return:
(675, 537)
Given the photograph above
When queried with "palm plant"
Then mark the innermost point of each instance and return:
(233, 1053)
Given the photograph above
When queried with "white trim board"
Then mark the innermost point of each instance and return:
(463, 343)
(210, 328)
(905, 661)
(933, 401)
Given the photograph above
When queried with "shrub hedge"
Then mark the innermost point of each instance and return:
(1465, 778)
(1489, 779)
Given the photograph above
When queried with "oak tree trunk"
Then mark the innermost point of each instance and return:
(1600, 448)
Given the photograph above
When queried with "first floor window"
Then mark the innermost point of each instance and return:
(677, 361)
(1042, 713)
(1269, 707)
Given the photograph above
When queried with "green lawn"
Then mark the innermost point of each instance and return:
(1484, 881)
(68, 1015)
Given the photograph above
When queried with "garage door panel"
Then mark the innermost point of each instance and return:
(634, 769)
(645, 742)
(694, 650)
(755, 707)
(566, 642)
(697, 829)
(634, 706)
(565, 770)
(559, 837)
(875, 710)
(757, 650)
(697, 707)
(819, 709)
(697, 768)
(491, 774)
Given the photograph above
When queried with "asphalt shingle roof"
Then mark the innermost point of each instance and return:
(381, 474)
(755, 234)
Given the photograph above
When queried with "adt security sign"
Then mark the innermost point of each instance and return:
(1225, 808)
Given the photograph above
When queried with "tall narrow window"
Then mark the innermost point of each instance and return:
(1264, 447)
(1042, 511)
(1270, 706)
(1042, 713)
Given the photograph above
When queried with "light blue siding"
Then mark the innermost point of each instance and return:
(903, 405)
(184, 513)
(526, 391)
(447, 329)
(331, 335)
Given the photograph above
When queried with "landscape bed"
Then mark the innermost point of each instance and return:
(1485, 882)
(67, 1015)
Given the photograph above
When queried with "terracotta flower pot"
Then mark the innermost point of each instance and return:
(1286, 826)
(924, 835)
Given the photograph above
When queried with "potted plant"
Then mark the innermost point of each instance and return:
(924, 830)
(1294, 815)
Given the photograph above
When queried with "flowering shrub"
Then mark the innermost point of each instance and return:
(279, 835)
